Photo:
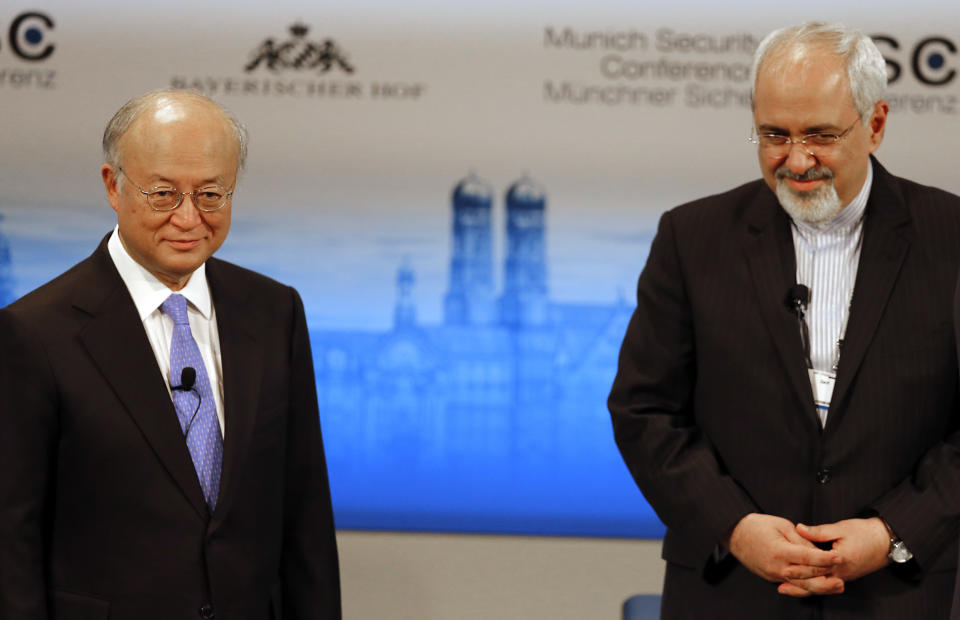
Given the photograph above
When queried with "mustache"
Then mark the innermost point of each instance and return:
(812, 174)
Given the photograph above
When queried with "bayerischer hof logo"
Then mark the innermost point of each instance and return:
(299, 53)
(299, 67)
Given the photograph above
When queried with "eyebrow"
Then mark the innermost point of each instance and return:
(824, 128)
(162, 180)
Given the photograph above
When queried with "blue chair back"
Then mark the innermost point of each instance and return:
(642, 607)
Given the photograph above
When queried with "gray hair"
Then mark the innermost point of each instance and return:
(131, 111)
(866, 68)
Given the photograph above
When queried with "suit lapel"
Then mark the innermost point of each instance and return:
(115, 339)
(768, 246)
(241, 355)
(886, 240)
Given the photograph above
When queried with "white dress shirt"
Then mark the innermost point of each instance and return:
(148, 293)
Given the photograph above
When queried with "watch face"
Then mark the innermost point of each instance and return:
(899, 552)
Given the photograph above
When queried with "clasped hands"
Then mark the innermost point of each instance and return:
(784, 553)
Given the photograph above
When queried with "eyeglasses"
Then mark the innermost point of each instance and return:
(778, 144)
(166, 198)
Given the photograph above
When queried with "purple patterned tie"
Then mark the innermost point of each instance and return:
(201, 427)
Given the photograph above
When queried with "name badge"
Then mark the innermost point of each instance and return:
(822, 384)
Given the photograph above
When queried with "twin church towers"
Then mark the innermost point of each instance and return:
(470, 299)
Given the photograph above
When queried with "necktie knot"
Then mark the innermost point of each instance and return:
(175, 307)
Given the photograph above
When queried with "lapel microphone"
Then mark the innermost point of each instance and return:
(798, 296)
(188, 377)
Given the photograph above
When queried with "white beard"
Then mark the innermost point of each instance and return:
(815, 206)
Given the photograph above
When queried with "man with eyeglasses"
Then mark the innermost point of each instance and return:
(787, 393)
(160, 440)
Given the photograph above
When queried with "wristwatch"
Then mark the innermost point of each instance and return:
(898, 552)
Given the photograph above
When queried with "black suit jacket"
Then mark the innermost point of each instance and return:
(101, 513)
(713, 411)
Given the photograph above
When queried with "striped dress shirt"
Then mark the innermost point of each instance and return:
(827, 258)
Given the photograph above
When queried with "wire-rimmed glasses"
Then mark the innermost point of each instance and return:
(208, 199)
(779, 144)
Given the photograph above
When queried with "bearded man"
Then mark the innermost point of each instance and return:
(786, 396)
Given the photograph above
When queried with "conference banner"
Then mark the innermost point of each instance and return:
(463, 193)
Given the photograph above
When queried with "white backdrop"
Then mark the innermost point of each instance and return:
(618, 110)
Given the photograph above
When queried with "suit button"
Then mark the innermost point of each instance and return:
(206, 612)
(823, 476)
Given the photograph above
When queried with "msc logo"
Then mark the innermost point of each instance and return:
(299, 53)
(28, 36)
(931, 61)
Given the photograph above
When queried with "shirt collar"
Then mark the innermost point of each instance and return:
(850, 216)
(147, 291)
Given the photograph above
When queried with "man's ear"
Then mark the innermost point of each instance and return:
(878, 124)
(111, 183)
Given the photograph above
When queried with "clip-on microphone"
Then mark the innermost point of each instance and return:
(798, 296)
(188, 376)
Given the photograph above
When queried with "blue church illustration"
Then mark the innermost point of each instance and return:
(492, 418)
(6, 270)
(507, 375)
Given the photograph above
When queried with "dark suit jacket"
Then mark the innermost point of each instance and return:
(101, 513)
(714, 416)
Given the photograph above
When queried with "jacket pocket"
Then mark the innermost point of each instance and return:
(69, 606)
